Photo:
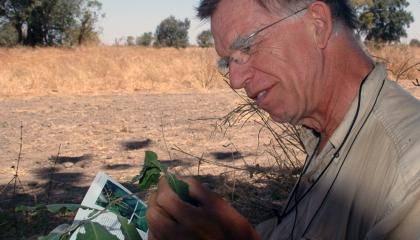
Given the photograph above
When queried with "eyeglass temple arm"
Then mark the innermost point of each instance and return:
(262, 29)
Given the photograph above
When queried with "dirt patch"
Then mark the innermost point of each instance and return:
(110, 133)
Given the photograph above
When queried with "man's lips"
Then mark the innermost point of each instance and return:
(259, 96)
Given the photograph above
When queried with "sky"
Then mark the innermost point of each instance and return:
(133, 17)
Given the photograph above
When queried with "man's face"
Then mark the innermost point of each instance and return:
(281, 68)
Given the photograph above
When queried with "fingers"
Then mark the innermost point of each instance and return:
(169, 201)
(154, 211)
(161, 225)
(169, 217)
(151, 236)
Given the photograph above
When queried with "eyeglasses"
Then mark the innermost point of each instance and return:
(243, 44)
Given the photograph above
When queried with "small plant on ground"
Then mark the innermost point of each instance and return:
(149, 176)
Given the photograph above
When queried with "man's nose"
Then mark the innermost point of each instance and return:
(239, 74)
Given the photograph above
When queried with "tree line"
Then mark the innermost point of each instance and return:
(171, 32)
(74, 22)
(49, 22)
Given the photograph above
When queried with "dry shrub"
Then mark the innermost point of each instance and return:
(207, 75)
(43, 71)
(401, 61)
(256, 188)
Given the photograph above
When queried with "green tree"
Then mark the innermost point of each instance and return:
(8, 35)
(131, 41)
(145, 39)
(172, 33)
(205, 39)
(51, 22)
(383, 20)
(415, 42)
(16, 14)
(87, 17)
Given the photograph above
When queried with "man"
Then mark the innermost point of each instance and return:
(301, 62)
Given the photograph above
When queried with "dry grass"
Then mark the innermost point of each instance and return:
(45, 71)
(98, 70)
(402, 62)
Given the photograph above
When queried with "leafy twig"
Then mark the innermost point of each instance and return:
(55, 208)
(150, 174)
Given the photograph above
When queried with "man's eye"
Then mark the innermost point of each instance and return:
(246, 49)
(223, 63)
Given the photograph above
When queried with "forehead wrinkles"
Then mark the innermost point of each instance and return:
(236, 18)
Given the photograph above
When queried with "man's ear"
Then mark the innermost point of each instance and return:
(321, 16)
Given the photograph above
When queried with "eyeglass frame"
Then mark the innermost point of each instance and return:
(244, 44)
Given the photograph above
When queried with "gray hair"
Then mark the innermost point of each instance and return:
(341, 9)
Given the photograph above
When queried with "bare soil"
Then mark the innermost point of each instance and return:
(110, 133)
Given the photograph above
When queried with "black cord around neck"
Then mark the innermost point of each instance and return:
(342, 163)
(287, 211)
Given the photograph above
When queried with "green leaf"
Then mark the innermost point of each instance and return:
(52, 208)
(150, 159)
(35, 208)
(129, 230)
(150, 174)
(40, 206)
(180, 188)
(95, 231)
(57, 208)
(21, 208)
(150, 178)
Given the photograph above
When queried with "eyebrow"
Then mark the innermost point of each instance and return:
(240, 42)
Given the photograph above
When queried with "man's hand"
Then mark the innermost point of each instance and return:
(171, 218)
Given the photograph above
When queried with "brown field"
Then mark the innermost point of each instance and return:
(106, 105)
(100, 70)
(92, 70)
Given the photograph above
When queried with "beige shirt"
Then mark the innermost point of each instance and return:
(376, 191)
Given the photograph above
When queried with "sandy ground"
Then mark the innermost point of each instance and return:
(110, 133)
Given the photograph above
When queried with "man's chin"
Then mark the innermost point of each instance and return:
(282, 119)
